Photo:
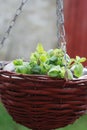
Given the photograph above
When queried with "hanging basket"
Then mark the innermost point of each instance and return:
(40, 102)
(43, 103)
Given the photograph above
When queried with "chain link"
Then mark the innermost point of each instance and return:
(60, 25)
(18, 12)
(61, 31)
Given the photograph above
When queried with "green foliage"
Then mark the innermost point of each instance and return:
(77, 66)
(57, 71)
(69, 74)
(18, 62)
(52, 63)
(78, 69)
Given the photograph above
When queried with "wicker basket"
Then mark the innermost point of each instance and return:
(2, 64)
(43, 103)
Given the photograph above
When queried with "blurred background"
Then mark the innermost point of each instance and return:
(37, 23)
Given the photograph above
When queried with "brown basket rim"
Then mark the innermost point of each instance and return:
(40, 77)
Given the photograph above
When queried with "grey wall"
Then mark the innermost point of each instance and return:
(37, 23)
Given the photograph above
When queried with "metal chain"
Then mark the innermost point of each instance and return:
(61, 31)
(60, 25)
(18, 12)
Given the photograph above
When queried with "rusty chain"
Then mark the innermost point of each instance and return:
(61, 31)
(60, 25)
(18, 12)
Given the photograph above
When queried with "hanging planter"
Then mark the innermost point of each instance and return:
(43, 102)
(45, 99)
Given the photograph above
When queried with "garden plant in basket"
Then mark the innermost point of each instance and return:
(50, 90)
(51, 63)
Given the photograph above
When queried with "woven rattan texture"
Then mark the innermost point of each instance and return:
(43, 103)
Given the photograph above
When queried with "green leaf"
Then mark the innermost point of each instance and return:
(43, 58)
(36, 69)
(44, 68)
(70, 75)
(18, 62)
(53, 59)
(50, 52)
(71, 63)
(34, 56)
(78, 70)
(67, 57)
(53, 73)
(83, 59)
(58, 52)
(21, 69)
(57, 71)
(77, 58)
(40, 48)
(60, 61)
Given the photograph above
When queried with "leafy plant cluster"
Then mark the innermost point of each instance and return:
(52, 63)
